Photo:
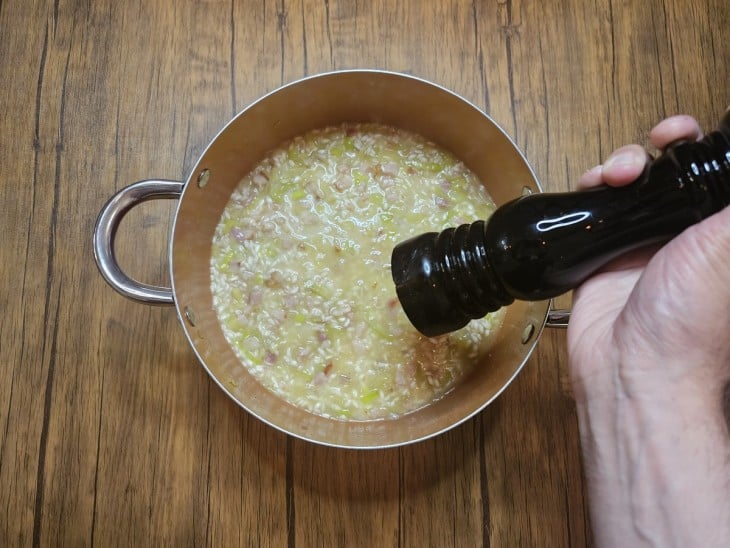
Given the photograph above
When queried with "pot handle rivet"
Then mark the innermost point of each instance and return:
(203, 178)
(190, 316)
(527, 333)
(105, 232)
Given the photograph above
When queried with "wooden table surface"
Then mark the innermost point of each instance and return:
(111, 433)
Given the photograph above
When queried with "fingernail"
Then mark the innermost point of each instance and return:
(626, 157)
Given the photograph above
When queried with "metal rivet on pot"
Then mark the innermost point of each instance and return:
(527, 333)
(526, 191)
(203, 178)
(190, 316)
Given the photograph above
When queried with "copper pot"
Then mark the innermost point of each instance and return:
(315, 102)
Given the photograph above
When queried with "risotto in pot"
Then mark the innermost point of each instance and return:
(300, 271)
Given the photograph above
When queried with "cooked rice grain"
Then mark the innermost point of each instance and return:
(301, 276)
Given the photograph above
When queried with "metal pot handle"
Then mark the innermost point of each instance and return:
(557, 318)
(105, 232)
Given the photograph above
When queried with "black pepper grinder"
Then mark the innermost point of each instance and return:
(542, 245)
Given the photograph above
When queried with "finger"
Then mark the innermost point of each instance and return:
(624, 165)
(591, 178)
(637, 258)
(675, 128)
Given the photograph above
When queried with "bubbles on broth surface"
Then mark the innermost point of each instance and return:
(301, 276)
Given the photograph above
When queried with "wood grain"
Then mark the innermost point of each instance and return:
(111, 433)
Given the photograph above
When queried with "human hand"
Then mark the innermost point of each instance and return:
(650, 363)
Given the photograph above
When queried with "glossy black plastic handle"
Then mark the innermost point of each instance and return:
(540, 246)
(546, 244)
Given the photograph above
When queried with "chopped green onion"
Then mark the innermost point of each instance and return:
(370, 396)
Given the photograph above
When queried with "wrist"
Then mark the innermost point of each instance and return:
(656, 447)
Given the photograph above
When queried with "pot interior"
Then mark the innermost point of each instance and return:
(317, 102)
